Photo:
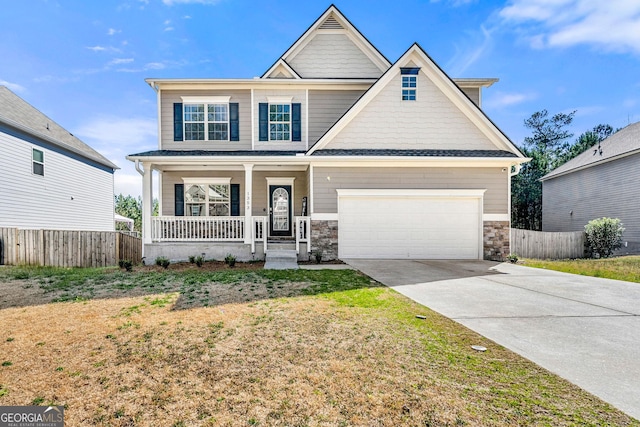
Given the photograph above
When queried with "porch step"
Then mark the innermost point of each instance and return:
(281, 259)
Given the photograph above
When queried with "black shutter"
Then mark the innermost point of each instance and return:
(179, 199)
(264, 121)
(296, 123)
(235, 199)
(177, 121)
(234, 122)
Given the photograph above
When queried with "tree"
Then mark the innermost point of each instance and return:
(545, 147)
(131, 207)
(585, 141)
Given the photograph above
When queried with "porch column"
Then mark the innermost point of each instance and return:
(248, 191)
(147, 202)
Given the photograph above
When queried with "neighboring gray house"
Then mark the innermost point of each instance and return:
(49, 178)
(334, 148)
(602, 181)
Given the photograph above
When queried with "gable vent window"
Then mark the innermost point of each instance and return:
(331, 24)
(38, 162)
(409, 83)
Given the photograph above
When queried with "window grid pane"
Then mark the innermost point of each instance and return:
(279, 122)
(208, 200)
(206, 122)
(409, 83)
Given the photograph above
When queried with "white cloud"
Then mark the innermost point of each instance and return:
(466, 57)
(112, 132)
(99, 48)
(172, 2)
(502, 100)
(113, 31)
(154, 66)
(15, 87)
(117, 61)
(167, 22)
(186, 17)
(169, 29)
(456, 3)
(612, 25)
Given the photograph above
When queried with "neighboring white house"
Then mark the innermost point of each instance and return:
(49, 178)
(334, 146)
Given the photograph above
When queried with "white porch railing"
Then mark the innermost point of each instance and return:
(190, 228)
(259, 227)
(303, 232)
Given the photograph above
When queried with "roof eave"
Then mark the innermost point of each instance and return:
(552, 174)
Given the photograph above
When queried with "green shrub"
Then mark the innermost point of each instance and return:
(513, 258)
(199, 260)
(230, 260)
(163, 261)
(126, 264)
(604, 235)
(192, 259)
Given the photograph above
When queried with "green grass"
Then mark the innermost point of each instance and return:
(620, 268)
(259, 347)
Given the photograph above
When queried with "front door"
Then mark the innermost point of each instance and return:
(280, 210)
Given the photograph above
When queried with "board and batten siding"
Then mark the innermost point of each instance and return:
(72, 195)
(610, 189)
(169, 97)
(333, 56)
(259, 201)
(432, 121)
(327, 179)
(297, 96)
(326, 107)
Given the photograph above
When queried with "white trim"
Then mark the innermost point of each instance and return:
(208, 181)
(348, 192)
(281, 63)
(324, 217)
(311, 190)
(253, 124)
(205, 99)
(279, 99)
(496, 217)
(281, 181)
(442, 82)
(159, 107)
(306, 119)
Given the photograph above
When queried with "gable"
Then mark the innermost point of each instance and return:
(441, 117)
(332, 48)
(330, 55)
(432, 121)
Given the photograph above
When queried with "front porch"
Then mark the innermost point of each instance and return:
(178, 237)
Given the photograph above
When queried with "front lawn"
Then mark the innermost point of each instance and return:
(619, 268)
(254, 347)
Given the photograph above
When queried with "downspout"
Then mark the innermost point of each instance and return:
(140, 171)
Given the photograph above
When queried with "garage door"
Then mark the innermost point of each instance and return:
(410, 224)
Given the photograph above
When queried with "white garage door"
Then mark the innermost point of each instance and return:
(410, 224)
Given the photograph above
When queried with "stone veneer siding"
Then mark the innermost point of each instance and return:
(496, 240)
(324, 237)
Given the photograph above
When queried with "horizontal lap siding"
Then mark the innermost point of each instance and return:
(326, 107)
(333, 56)
(431, 121)
(71, 195)
(169, 97)
(327, 180)
(473, 93)
(259, 196)
(609, 189)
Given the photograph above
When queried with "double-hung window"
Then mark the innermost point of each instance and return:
(206, 118)
(207, 197)
(409, 83)
(37, 159)
(279, 122)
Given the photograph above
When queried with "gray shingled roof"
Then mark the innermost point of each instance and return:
(18, 113)
(416, 153)
(188, 153)
(625, 141)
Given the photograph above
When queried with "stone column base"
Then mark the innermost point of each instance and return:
(496, 240)
(324, 238)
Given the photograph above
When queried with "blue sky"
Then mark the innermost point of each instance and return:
(83, 63)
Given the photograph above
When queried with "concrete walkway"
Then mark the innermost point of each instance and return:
(585, 329)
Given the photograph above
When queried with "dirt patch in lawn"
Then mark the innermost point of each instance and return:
(329, 348)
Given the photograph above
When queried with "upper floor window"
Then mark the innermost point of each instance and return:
(37, 158)
(279, 119)
(409, 83)
(279, 122)
(211, 118)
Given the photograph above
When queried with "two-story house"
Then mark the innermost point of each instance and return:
(333, 148)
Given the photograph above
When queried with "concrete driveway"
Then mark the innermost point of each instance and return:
(585, 329)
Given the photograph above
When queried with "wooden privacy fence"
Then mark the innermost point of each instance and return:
(547, 245)
(67, 248)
